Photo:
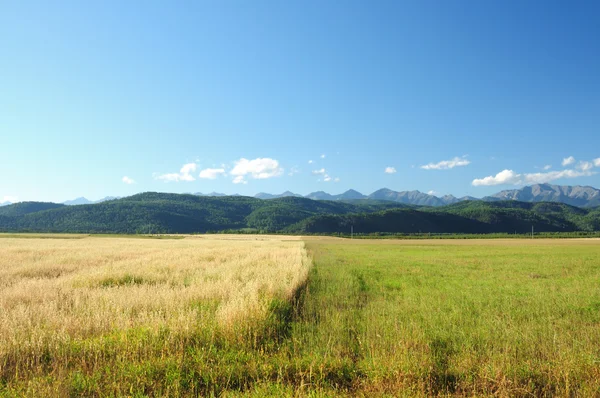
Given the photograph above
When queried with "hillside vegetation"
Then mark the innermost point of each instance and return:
(176, 213)
(22, 208)
(464, 217)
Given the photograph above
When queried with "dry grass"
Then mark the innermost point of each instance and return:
(59, 295)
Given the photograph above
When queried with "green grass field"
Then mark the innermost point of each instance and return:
(375, 318)
(512, 318)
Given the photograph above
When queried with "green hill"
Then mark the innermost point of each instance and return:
(153, 212)
(174, 213)
(19, 209)
(463, 217)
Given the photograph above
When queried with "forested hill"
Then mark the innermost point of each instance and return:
(179, 213)
(465, 217)
(19, 209)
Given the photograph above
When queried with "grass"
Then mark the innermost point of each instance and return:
(244, 315)
(496, 235)
(511, 318)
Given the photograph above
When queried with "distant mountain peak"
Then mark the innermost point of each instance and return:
(350, 194)
(77, 201)
(577, 195)
(84, 201)
(319, 195)
(263, 195)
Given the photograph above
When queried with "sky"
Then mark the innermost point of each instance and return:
(112, 98)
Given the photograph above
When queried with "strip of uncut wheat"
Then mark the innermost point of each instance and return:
(56, 290)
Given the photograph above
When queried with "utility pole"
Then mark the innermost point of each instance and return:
(532, 232)
(352, 232)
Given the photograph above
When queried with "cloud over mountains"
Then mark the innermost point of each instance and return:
(510, 177)
(447, 164)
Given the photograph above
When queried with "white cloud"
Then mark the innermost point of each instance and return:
(447, 164)
(596, 162)
(260, 168)
(239, 180)
(568, 161)
(540, 178)
(432, 192)
(512, 178)
(293, 171)
(188, 168)
(584, 166)
(328, 178)
(211, 174)
(323, 156)
(503, 177)
(390, 170)
(9, 198)
(547, 167)
(128, 180)
(311, 161)
(185, 174)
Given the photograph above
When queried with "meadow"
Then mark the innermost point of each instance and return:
(283, 316)
(470, 318)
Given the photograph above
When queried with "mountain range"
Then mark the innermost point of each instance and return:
(580, 196)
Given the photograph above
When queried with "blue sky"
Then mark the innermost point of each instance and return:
(239, 96)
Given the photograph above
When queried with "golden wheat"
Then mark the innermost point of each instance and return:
(56, 291)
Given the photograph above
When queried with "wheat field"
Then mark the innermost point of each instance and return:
(78, 304)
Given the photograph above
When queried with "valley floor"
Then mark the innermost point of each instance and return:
(272, 316)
